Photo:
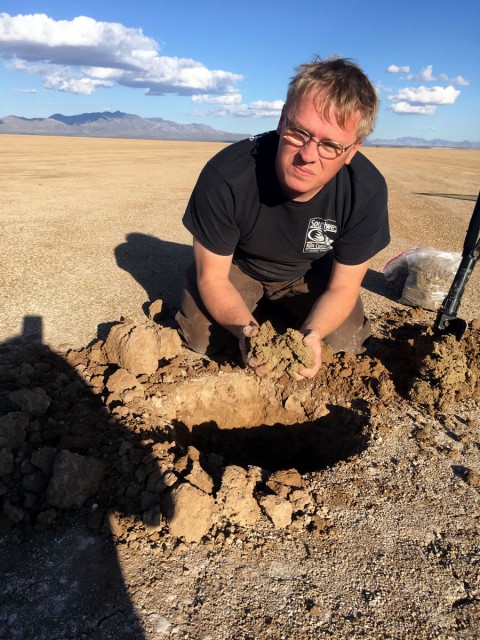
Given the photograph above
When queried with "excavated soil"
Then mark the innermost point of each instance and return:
(154, 446)
(281, 352)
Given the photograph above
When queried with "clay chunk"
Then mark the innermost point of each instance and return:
(281, 352)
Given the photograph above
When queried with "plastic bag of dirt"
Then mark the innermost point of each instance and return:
(422, 276)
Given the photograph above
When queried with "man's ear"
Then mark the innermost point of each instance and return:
(282, 118)
(351, 152)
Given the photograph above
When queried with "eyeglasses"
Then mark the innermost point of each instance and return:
(326, 148)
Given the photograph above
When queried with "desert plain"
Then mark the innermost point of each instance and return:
(374, 536)
(91, 229)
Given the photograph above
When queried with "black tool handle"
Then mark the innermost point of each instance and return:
(454, 296)
(473, 231)
(470, 255)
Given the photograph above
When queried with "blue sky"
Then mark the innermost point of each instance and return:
(227, 64)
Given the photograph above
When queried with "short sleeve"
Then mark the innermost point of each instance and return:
(210, 213)
(365, 231)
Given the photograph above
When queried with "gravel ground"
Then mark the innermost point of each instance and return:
(382, 540)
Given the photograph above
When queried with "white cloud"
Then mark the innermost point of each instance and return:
(83, 54)
(427, 95)
(25, 91)
(410, 109)
(69, 84)
(100, 72)
(425, 75)
(256, 109)
(457, 80)
(460, 81)
(393, 68)
(233, 98)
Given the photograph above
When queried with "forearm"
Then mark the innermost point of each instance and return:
(338, 301)
(225, 305)
(330, 310)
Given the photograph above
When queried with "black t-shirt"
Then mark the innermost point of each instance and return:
(237, 207)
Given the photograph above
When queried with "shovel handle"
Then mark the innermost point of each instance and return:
(473, 231)
(470, 255)
(454, 296)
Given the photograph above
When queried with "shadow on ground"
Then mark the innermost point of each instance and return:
(306, 447)
(157, 265)
(376, 282)
(61, 582)
(455, 196)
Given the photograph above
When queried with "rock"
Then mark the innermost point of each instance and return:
(472, 478)
(124, 387)
(28, 370)
(46, 518)
(148, 499)
(33, 401)
(139, 347)
(200, 478)
(152, 520)
(181, 465)
(236, 495)
(34, 482)
(161, 450)
(193, 453)
(29, 499)
(300, 500)
(156, 482)
(190, 512)
(13, 429)
(169, 478)
(43, 459)
(280, 489)
(13, 513)
(114, 524)
(157, 310)
(278, 510)
(6, 463)
(289, 478)
(75, 478)
(169, 343)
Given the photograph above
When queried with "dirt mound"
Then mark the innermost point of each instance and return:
(191, 447)
(448, 370)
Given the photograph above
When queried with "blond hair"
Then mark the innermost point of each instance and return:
(338, 83)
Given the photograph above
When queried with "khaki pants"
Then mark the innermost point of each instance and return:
(293, 300)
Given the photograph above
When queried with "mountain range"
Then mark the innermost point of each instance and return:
(117, 124)
(114, 125)
(421, 142)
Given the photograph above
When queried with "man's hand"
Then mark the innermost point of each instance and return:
(312, 340)
(247, 332)
(260, 368)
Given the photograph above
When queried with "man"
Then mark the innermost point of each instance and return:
(293, 217)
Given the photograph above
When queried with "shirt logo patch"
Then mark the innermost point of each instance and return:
(316, 239)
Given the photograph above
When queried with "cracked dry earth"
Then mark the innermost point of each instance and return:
(149, 492)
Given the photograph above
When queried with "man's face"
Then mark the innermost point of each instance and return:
(301, 171)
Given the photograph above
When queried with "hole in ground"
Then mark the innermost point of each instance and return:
(305, 446)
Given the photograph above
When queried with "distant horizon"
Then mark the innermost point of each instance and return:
(401, 141)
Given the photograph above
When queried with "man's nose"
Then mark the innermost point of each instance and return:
(309, 152)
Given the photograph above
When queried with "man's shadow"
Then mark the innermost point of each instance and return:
(375, 282)
(157, 265)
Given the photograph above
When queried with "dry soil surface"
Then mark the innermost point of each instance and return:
(148, 492)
